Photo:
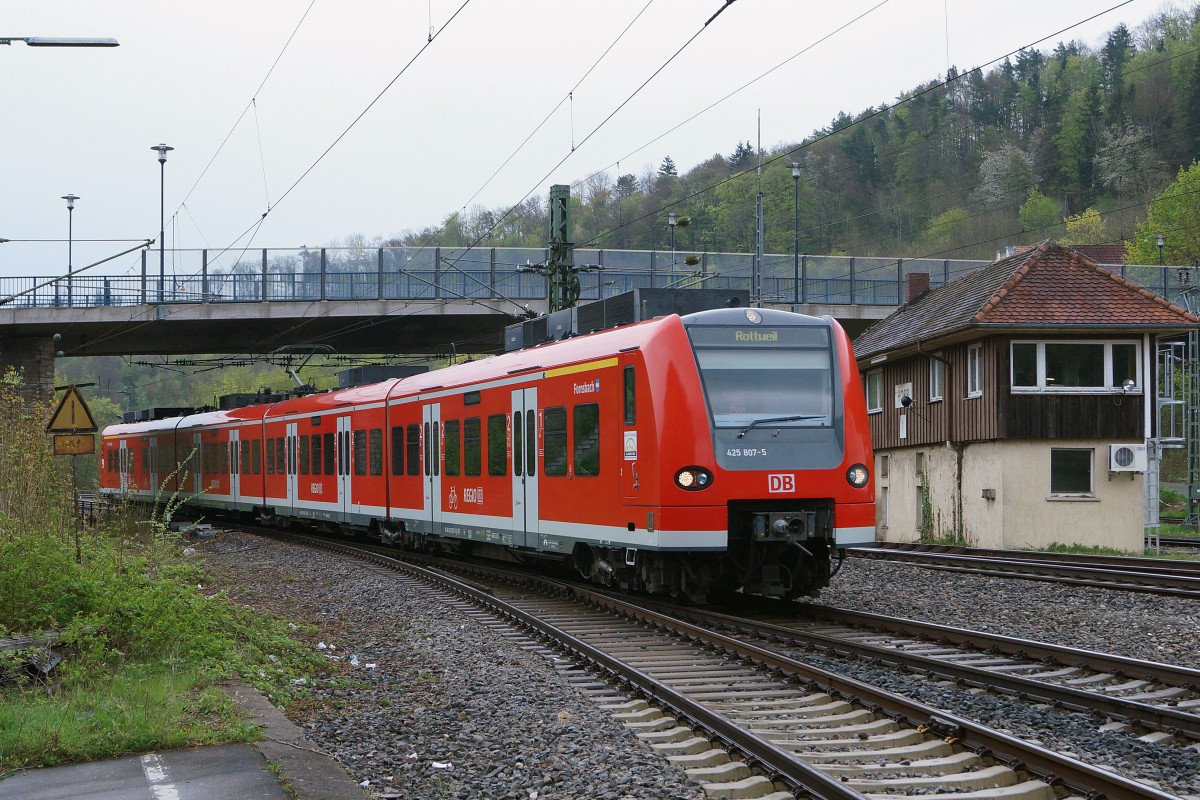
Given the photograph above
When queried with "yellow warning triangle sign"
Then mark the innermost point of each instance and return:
(72, 415)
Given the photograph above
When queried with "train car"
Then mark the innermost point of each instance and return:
(719, 451)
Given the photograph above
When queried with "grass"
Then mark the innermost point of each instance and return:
(133, 709)
(144, 645)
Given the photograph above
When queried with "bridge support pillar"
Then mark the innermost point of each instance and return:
(33, 359)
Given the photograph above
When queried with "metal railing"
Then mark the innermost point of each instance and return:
(498, 273)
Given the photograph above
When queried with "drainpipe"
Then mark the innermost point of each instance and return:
(959, 449)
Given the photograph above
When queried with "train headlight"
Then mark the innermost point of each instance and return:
(693, 478)
(858, 476)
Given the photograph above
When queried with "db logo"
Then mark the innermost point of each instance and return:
(779, 484)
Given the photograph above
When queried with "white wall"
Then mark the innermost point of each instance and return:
(1023, 513)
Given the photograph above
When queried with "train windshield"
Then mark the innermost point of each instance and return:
(773, 378)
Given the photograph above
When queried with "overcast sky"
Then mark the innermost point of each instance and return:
(83, 121)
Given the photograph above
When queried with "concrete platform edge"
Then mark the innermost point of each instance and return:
(309, 773)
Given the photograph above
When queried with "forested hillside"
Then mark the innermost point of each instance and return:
(1072, 142)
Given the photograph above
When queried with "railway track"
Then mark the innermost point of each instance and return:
(1157, 702)
(1147, 575)
(747, 721)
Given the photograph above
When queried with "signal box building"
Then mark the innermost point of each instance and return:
(1011, 407)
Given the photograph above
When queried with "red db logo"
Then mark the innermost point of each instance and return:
(779, 484)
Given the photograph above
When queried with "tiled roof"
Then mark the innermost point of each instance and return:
(1046, 287)
(1107, 254)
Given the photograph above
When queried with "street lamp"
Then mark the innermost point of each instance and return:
(70, 198)
(1161, 240)
(59, 41)
(671, 222)
(796, 234)
(162, 150)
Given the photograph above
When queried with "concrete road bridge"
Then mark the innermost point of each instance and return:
(406, 300)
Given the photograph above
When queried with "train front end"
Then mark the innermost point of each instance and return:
(791, 448)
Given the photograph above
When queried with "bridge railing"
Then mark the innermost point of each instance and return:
(500, 274)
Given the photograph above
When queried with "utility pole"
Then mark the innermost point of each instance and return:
(756, 266)
(562, 284)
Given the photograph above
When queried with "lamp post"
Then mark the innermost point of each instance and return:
(70, 198)
(162, 150)
(671, 222)
(1161, 240)
(60, 41)
(796, 233)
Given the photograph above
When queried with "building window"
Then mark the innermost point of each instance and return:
(1074, 367)
(975, 371)
(883, 506)
(883, 466)
(1071, 472)
(937, 378)
(875, 391)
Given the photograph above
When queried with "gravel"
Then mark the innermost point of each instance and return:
(449, 708)
(453, 709)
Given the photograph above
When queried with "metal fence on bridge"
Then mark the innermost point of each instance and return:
(498, 273)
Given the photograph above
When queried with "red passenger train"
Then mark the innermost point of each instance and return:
(722, 450)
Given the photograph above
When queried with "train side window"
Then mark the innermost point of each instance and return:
(437, 449)
(256, 457)
(316, 454)
(291, 440)
(497, 445)
(146, 459)
(303, 455)
(270, 456)
(414, 449)
(428, 449)
(375, 451)
(586, 429)
(329, 459)
(531, 442)
(397, 449)
(630, 397)
(472, 446)
(554, 441)
(518, 444)
(280, 456)
(450, 429)
(360, 452)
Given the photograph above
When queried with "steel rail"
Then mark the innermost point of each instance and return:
(1101, 562)
(1069, 656)
(782, 763)
(1051, 766)
(1154, 717)
(1048, 765)
(1025, 569)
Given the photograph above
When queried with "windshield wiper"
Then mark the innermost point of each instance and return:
(768, 420)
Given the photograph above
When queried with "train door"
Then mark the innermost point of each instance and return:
(345, 466)
(197, 464)
(235, 470)
(152, 450)
(629, 436)
(123, 464)
(293, 481)
(431, 441)
(524, 461)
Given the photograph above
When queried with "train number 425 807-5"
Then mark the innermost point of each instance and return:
(746, 451)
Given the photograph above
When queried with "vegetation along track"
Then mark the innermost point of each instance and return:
(789, 727)
(1149, 575)
(1139, 696)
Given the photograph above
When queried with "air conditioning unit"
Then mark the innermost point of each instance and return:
(1127, 458)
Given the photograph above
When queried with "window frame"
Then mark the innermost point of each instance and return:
(937, 378)
(1090, 492)
(873, 378)
(1041, 386)
(974, 371)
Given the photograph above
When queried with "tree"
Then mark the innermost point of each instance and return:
(1005, 176)
(667, 167)
(1085, 228)
(1038, 215)
(1172, 215)
(742, 158)
(1127, 164)
(946, 228)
